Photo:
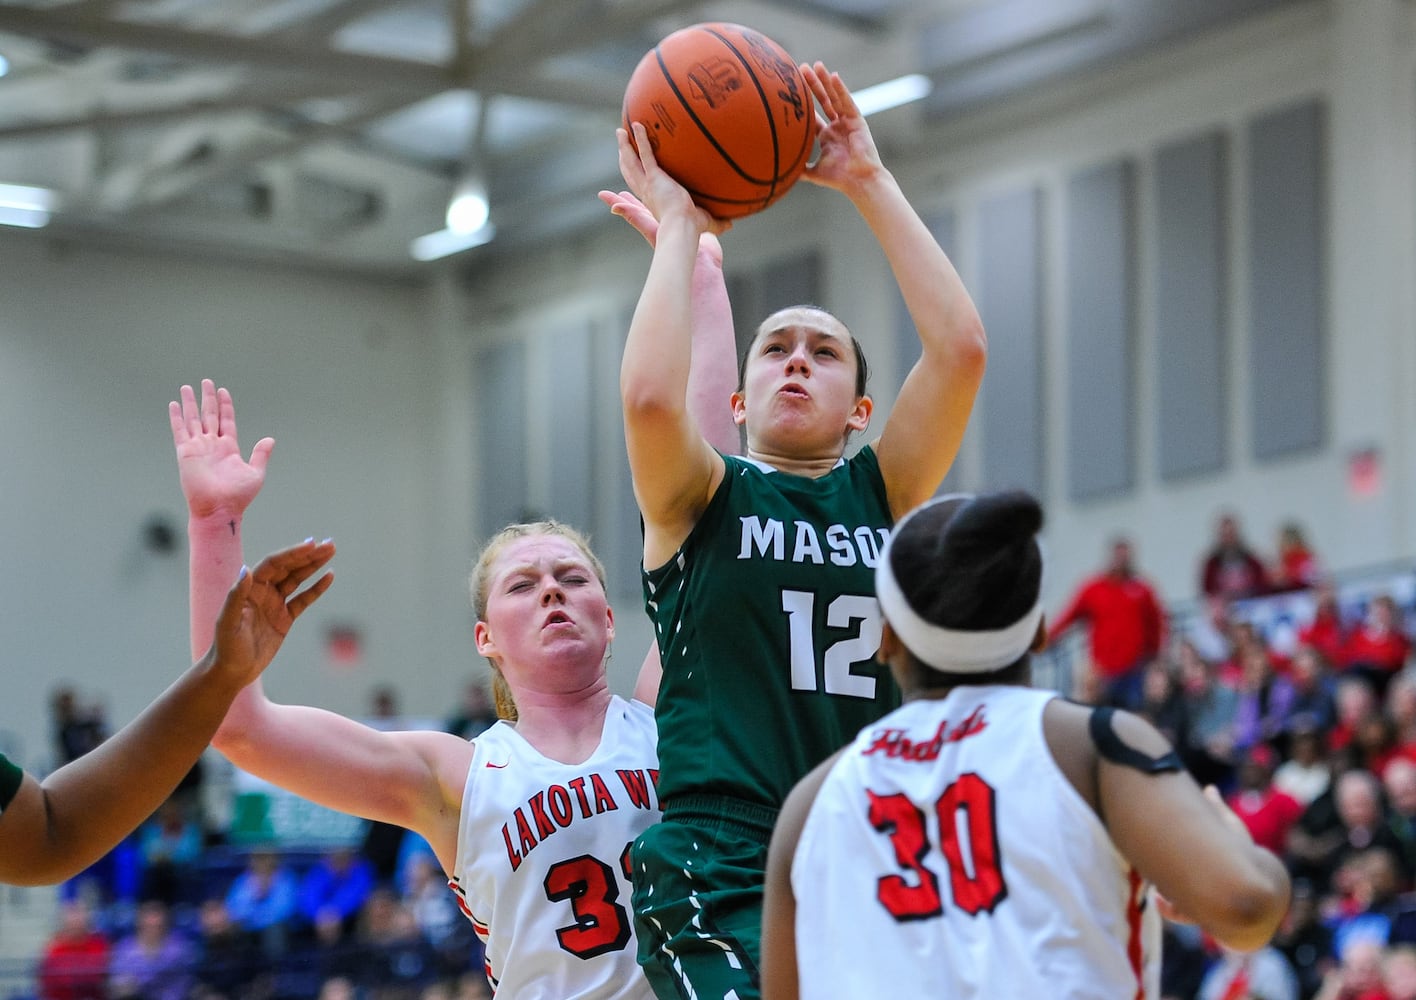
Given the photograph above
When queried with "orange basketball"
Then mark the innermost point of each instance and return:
(728, 114)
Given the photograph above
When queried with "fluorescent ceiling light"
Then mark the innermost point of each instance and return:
(446, 241)
(892, 93)
(25, 206)
(26, 218)
(36, 199)
(4, 65)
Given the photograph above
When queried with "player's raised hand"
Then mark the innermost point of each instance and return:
(214, 476)
(629, 208)
(656, 190)
(848, 154)
(262, 605)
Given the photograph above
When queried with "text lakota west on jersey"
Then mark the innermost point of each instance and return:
(558, 806)
(894, 742)
(847, 546)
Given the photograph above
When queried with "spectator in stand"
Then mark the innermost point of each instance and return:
(1358, 976)
(1318, 834)
(1399, 783)
(1399, 973)
(1257, 975)
(1354, 702)
(435, 912)
(337, 885)
(1305, 940)
(1230, 569)
(1375, 741)
(1381, 913)
(1361, 824)
(1378, 648)
(1314, 690)
(1401, 709)
(262, 899)
(1210, 708)
(155, 962)
(1268, 812)
(77, 730)
(1212, 634)
(229, 963)
(1127, 626)
(1297, 565)
(1305, 775)
(171, 846)
(74, 965)
(1326, 631)
(476, 714)
(398, 963)
(1163, 704)
(1265, 702)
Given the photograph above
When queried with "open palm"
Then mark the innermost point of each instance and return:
(213, 474)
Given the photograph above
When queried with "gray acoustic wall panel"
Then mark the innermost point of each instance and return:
(500, 377)
(1287, 338)
(1191, 260)
(1010, 301)
(1101, 353)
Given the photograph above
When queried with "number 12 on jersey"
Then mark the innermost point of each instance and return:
(967, 820)
(800, 608)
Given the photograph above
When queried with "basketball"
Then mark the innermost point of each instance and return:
(728, 115)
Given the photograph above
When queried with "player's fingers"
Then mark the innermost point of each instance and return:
(208, 412)
(179, 426)
(645, 147)
(301, 601)
(260, 454)
(191, 416)
(225, 413)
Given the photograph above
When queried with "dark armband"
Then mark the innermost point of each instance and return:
(11, 777)
(1109, 745)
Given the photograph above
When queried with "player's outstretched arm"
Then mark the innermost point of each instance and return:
(1190, 845)
(674, 469)
(218, 485)
(712, 369)
(927, 422)
(53, 829)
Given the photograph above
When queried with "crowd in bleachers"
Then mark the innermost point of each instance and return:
(1293, 695)
(1296, 698)
(177, 912)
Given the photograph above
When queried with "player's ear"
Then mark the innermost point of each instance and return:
(859, 419)
(482, 636)
(739, 405)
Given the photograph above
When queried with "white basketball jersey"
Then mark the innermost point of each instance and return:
(946, 855)
(542, 859)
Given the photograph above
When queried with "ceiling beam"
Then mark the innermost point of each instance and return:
(215, 47)
(243, 100)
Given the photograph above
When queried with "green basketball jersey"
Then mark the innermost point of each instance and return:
(767, 626)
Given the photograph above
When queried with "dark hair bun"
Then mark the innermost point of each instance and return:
(971, 563)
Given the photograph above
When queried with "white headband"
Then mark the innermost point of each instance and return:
(950, 650)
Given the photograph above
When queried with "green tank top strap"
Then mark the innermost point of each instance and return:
(11, 777)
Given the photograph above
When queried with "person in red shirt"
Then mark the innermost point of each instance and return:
(74, 965)
(1267, 812)
(1127, 626)
(1297, 566)
(1327, 633)
(1378, 648)
(1230, 568)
